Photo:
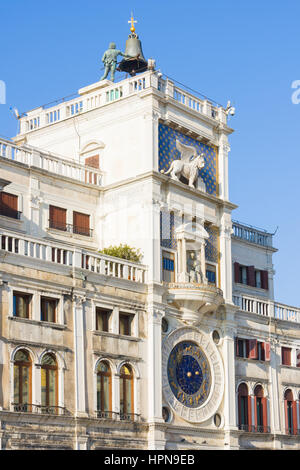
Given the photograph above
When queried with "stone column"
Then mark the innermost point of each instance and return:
(36, 382)
(230, 418)
(79, 347)
(226, 260)
(156, 440)
(275, 398)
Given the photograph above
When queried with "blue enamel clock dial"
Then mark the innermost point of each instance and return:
(189, 374)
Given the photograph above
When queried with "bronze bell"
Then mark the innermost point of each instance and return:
(134, 62)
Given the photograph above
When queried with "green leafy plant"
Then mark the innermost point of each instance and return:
(124, 252)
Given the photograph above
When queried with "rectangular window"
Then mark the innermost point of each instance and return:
(9, 205)
(243, 278)
(125, 323)
(168, 266)
(48, 309)
(102, 319)
(258, 279)
(21, 305)
(242, 347)
(211, 274)
(286, 356)
(81, 224)
(261, 351)
(58, 218)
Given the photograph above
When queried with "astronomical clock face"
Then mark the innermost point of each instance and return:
(189, 374)
(193, 381)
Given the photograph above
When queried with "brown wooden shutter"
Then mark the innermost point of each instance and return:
(252, 349)
(298, 358)
(58, 218)
(251, 276)
(249, 413)
(267, 349)
(10, 201)
(236, 272)
(81, 223)
(295, 423)
(265, 413)
(255, 413)
(265, 280)
(93, 161)
(286, 356)
(286, 416)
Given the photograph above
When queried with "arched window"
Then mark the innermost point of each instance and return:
(260, 410)
(290, 409)
(22, 381)
(49, 384)
(126, 393)
(244, 408)
(103, 390)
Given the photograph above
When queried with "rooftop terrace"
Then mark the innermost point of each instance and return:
(105, 92)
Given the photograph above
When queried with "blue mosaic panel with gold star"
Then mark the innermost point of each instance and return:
(168, 153)
(211, 247)
(189, 374)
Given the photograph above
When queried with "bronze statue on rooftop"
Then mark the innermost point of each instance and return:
(110, 61)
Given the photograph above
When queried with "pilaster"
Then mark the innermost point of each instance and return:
(229, 370)
(80, 362)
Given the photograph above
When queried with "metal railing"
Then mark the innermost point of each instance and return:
(246, 427)
(251, 428)
(129, 417)
(116, 416)
(85, 231)
(107, 415)
(292, 432)
(40, 409)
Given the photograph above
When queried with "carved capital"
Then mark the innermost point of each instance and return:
(35, 201)
(79, 300)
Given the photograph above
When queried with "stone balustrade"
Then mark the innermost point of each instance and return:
(99, 96)
(267, 308)
(252, 235)
(34, 158)
(59, 253)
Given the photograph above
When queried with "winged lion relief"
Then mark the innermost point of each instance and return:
(188, 165)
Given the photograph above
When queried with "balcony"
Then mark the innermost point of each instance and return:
(252, 235)
(46, 161)
(267, 308)
(103, 93)
(84, 231)
(57, 253)
(194, 300)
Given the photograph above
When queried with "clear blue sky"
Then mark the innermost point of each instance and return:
(246, 51)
